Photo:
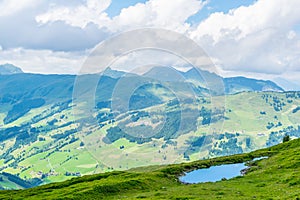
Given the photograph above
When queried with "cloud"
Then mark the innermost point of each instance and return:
(10, 7)
(79, 16)
(153, 13)
(291, 35)
(80, 25)
(44, 61)
(21, 30)
(258, 38)
(243, 21)
(158, 13)
(141, 61)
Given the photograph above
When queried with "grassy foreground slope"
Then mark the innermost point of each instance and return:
(277, 177)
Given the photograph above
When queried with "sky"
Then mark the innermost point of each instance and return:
(253, 38)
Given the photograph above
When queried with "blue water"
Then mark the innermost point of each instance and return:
(213, 174)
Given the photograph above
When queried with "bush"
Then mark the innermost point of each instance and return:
(286, 138)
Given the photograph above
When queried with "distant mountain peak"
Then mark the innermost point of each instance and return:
(163, 73)
(113, 73)
(7, 68)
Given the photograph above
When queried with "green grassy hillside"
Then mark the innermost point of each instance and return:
(276, 177)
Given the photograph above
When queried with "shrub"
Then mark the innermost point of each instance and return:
(286, 138)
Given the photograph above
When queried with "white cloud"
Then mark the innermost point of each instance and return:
(244, 21)
(79, 16)
(158, 13)
(291, 35)
(153, 13)
(141, 61)
(22, 30)
(258, 38)
(44, 61)
(10, 7)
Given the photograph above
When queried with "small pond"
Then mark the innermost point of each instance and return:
(215, 173)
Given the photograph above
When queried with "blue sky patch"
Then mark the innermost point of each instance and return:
(218, 6)
(117, 5)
